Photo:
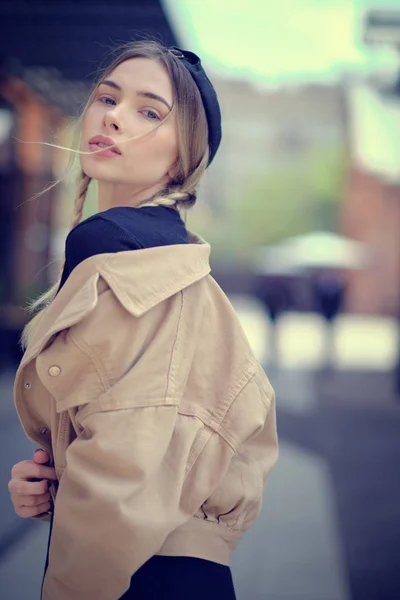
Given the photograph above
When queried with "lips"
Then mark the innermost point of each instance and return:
(100, 141)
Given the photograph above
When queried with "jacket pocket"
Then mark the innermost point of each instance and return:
(69, 372)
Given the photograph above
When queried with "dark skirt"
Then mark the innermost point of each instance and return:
(181, 578)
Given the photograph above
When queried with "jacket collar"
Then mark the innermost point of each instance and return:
(140, 279)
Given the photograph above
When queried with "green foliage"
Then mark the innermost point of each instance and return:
(282, 201)
(291, 200)
(326, 172)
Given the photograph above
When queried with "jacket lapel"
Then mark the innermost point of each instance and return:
(62, 313)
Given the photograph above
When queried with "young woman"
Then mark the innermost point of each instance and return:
(155, 419)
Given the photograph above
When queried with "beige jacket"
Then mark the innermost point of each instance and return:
(142, 386)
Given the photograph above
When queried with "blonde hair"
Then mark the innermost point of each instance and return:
(193, 153)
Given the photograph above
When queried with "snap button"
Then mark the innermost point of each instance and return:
(43, 430)
(27, 384)
(54, 371)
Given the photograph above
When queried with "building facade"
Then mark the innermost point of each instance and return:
(371, 211)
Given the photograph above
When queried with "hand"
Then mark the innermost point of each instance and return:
(29, 485)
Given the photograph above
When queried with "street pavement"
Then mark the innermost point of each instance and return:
(329, 528)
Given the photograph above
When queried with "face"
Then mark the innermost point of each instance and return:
(128, 102)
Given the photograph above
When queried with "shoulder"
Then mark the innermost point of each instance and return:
(123, 228)
(132, 227)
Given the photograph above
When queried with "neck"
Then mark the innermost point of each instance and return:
(111, 195)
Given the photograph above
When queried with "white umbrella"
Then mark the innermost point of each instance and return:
(320, 249)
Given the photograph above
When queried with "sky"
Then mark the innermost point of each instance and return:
(278, 40)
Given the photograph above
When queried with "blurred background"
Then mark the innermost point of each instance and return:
(302, 208)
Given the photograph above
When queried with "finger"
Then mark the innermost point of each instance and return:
(19, 487)
(28, 469)
(27, 512)
(40, 456)
(33, 500)
(19, 468)
(33, 470)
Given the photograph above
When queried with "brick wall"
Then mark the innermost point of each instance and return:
(371, 214)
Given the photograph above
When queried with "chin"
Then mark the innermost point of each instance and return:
(99, 170)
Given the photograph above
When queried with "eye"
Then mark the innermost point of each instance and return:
(150, 114)
(107, 100)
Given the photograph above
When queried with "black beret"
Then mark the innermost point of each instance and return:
(208, 94)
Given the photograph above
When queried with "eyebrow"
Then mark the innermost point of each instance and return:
(151, 95)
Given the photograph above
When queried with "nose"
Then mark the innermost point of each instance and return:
(111, 120)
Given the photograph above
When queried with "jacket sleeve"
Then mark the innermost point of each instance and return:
(121, 494)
